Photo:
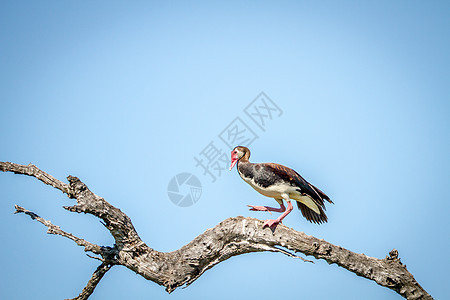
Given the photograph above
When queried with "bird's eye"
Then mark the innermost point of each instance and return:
(235, 152)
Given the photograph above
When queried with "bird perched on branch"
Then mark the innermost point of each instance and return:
(281, 183)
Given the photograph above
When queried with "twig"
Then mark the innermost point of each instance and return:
(53, 229)
(92, 283)
(32, 170)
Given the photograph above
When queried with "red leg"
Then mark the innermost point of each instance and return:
(268, 208)
(275, 222)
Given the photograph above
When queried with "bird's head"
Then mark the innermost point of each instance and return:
(238, 153)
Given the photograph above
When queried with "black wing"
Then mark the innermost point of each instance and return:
(286, 174)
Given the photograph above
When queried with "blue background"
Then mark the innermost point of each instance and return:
(125, 95)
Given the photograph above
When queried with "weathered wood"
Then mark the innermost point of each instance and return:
(95, 279)
(231, 237)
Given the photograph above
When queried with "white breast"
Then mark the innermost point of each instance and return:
(276, 190)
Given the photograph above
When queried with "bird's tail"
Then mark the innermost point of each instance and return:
(320, 193)
(311, 215)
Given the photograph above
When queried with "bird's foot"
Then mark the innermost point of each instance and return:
(271, 223)
(259, 208)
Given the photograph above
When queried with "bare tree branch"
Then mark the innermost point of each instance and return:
(32, 170)
(118, 223)
(231, 237)
(95, 279)
(53, 229)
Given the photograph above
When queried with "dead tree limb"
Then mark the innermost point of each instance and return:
(95, 279)
(231, 237)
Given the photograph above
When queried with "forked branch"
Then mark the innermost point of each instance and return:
(233, 236)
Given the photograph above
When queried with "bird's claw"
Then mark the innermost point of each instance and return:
(259, 208)
(271, 223)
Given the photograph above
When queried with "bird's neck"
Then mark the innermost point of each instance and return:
(243, 165)
(245, 168)
(246, 157)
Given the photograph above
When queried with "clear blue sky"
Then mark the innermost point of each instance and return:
(125, 95)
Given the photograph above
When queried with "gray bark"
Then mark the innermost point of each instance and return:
(231, 237)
